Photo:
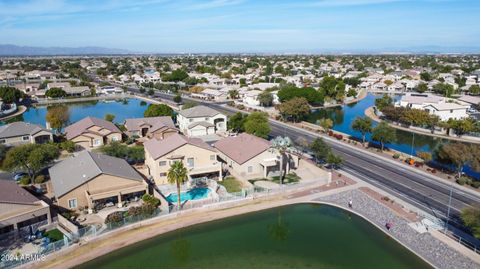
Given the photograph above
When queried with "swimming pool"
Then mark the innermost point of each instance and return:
(193, 194)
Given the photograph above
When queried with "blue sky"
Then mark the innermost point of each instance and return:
(241, 25)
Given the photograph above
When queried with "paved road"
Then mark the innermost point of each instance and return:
(422, 190)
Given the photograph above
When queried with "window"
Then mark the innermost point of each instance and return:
(451, 110)
(72, 203)
(25, 138)
(162, 163)
(190, 162)
(114, 138)
(250, 169)
(163, 174)
(207, 119)
(2, 141)
(190, 120)
(97, 142)
(212, 157)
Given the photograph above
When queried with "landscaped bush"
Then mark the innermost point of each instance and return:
(68, 145)
(143, 210)
(149, 199)
(475, 184)
(396, 156)
(39, 179)
(462, 181)
(433, 171)
(25, 180)
(114, 217)
(69, 215)
(330, 133)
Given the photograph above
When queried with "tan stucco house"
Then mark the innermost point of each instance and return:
(248, 157)
(153, 127)
(90, 180)
(92, 132)
(20, 211)
(17, 133)
(198, 157)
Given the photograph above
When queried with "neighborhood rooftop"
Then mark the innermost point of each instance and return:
(81, 126)
(198, 111)
(11, 193)
(243, 147)
(157, 148)
(19, 128)
(75, 171)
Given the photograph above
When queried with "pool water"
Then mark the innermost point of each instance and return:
(304, 236)
(193, 194)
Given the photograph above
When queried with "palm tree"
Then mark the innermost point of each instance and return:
(177, 174)
(282, 144)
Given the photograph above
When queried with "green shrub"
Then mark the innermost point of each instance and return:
(25, 180)
(396, 156)
(231, 184)
(149, 199)
(475, 184)
(39, 179)
(462, 181)
(114, 217)
(68, 146)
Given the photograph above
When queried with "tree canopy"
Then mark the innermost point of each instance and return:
(257, 124)
(320, 149)
(57, 116)
(294, 109)
(10, 94)
(459, 154)
(156, 110)
(383, 134)
(236, 122)
(55, 93)
(362, 125)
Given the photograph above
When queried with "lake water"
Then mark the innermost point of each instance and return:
(344, 116)
(122, 109)
(297, 236)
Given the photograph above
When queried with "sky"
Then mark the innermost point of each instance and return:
(270, 26)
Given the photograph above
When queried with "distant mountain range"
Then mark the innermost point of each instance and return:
(14, 50)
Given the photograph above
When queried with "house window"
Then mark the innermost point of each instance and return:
(97, 142)
(212, 157)
(250, 169)
(114, 138)
(190, 162)
(163, 174)
(2, 141)
(451, 110)
(25, 138)
(72, 203)
(207, 119)
(190, 120)
(162, 163)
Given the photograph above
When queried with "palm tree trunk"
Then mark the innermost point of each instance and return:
(178, 195)
(381, 143)
(363, 139)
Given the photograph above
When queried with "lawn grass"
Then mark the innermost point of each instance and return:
(231, 184)
(289, 178)
(54, 235)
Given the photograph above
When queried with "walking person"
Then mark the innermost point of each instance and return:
(350, 203)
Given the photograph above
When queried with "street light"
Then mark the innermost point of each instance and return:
(448, 208)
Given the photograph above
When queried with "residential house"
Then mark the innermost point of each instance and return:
(20, 211)
(20, 132)
(247, 157)
(446, 111)
(251, 98)
(92, 181)
(198, 157)
(108, 90)
(200, 121)
(153, 127)
(69, 90)
(92, 132)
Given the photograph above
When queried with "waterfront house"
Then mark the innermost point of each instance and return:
(247, 157)
(92, 132)
(435, 105)
(446, 111)
(198, 157)
(20, 211)
(16, 133)
(200, 121)
(92, 181)
(153, 127)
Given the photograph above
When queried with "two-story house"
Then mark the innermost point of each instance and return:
(247, 157)
(92, 132)
(198, 157)
(200, 121)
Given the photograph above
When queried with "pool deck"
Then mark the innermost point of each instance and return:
(440, 252)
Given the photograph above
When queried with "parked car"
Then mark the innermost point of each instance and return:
(18, 175)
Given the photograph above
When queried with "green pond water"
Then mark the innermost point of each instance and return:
(294, 237)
